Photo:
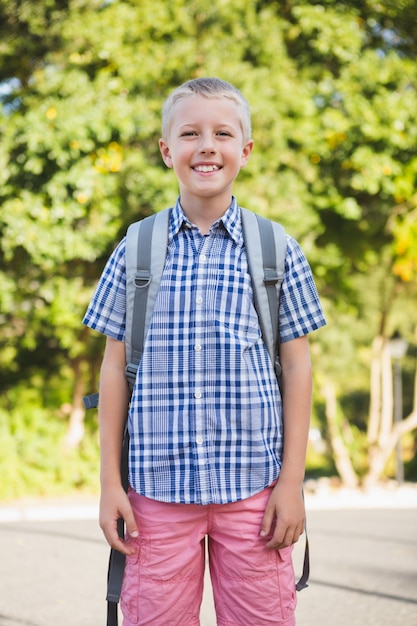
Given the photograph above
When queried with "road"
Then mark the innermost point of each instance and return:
(363, 571)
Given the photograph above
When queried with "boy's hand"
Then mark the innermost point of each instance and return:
(285, 510)
(114, 504)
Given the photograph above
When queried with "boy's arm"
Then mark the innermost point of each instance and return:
(113, 406)
(286, 504)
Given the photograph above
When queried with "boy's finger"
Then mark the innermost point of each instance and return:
(124, 547)
(283, 538)
(130, 522)
(117, 543)
(278, 539)
(266, 525)
(131, 528)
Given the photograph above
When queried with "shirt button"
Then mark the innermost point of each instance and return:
(199, 440)
(197, 347)
(203, 257)
(199, 300)
(198, 394)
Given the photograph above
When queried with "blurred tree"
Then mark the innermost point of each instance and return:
(332, 88)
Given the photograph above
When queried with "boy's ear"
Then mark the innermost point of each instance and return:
(246, 152)
(165, 152)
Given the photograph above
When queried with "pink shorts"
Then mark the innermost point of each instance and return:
(163, 582)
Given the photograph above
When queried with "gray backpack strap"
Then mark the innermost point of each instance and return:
(266, 246)
(146, 243)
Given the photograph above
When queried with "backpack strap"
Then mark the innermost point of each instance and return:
(145, 260)
(144, 266)
(266, 246)
(303, 581)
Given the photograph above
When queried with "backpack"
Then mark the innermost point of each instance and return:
(146, 242)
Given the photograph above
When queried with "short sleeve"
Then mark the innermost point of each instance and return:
(300, 310)
(106, 312)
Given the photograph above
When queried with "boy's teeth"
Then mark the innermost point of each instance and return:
(206, 168)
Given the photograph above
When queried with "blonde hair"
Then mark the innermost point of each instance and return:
(209, 88)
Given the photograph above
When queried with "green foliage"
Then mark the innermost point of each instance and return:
(333, 92)
(410, 465)
(319, 464)
(33, 460)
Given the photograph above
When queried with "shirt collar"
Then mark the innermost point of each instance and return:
(231, 221)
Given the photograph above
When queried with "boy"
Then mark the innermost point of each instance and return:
(206, 420)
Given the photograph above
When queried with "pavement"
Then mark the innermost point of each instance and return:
(53, 560)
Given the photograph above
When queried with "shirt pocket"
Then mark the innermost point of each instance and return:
(234, 311)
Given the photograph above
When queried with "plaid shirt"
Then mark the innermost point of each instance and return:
(205, 419)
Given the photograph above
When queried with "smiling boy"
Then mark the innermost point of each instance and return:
(207, 418)
(205, 144)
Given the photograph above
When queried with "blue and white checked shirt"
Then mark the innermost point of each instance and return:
(206, 417)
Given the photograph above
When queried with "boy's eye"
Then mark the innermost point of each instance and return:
(194, 133)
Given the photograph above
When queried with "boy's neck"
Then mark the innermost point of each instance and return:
(205, 212)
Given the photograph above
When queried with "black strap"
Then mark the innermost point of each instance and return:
(91, 401)
(112, 614)
(115, 576)
(302, 583)
(117, 559)
(114, 580)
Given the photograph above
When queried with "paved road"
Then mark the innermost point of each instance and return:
(364, 571)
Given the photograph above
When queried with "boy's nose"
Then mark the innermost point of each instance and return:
(207, 144)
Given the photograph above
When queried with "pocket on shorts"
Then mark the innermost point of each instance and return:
(286, 580)
(129, 599)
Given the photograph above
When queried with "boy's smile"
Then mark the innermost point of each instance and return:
(205, 147)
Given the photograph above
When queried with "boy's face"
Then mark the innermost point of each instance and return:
(205, 147)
